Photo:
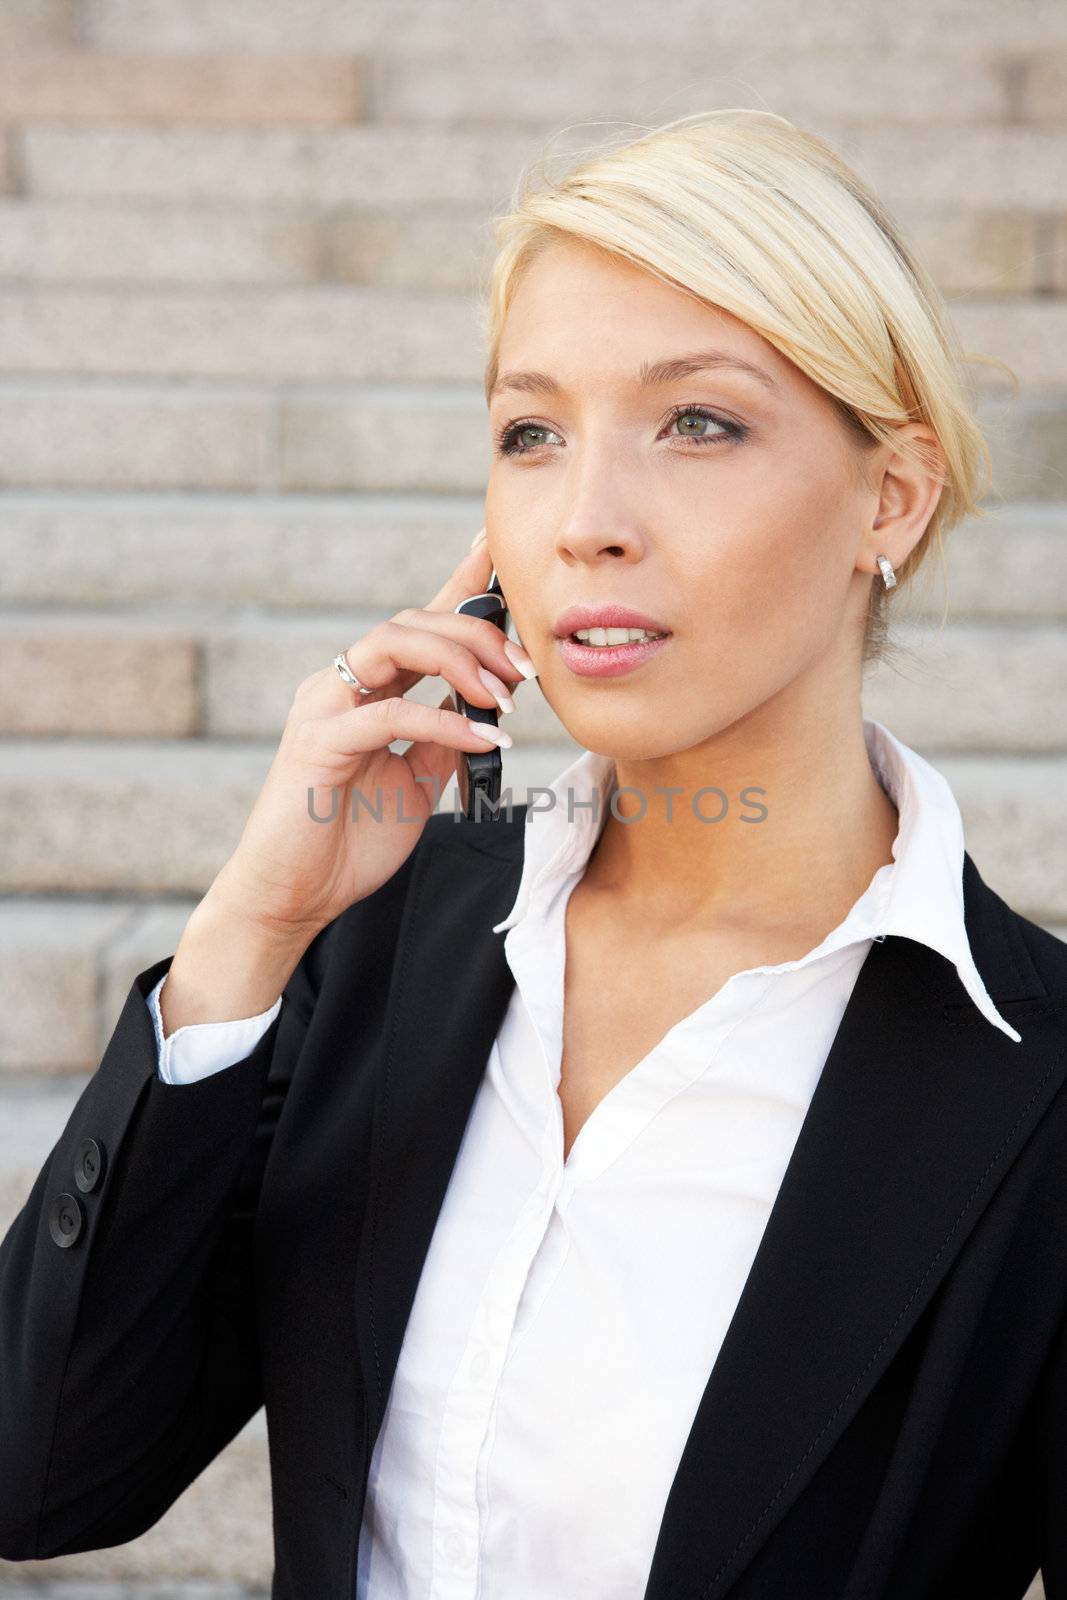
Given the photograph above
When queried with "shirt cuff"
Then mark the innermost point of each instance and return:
(198, 1049)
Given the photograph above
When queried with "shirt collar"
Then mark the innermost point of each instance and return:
(925, 900)
(562, 827)
(920, 895)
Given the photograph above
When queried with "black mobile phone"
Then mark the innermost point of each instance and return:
(478, 771)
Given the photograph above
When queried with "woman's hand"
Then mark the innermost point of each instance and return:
(292, 875)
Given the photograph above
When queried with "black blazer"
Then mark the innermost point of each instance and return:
(886, 1419)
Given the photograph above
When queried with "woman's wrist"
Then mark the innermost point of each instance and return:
(228, 966)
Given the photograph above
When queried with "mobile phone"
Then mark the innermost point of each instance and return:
(478, 772)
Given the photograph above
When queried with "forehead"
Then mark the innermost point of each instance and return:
(577, 307)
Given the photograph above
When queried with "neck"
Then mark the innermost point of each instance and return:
(825, 827)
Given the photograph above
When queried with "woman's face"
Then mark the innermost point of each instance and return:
(728, 509)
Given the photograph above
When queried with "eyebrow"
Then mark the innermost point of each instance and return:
(649, 374)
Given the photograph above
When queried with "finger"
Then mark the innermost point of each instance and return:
(482, 637)
(333, 742)
(434, 765)
(395, 655)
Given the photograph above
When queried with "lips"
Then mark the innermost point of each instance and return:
(605, 616)
(608, 660)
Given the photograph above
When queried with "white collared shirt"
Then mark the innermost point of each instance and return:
(559, 1341)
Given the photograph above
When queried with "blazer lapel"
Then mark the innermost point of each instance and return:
(450, 992)
(921, 1108)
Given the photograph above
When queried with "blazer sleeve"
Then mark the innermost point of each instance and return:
(128, 1351)
(197, 1049)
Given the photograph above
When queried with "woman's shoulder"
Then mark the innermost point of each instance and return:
(1013, 951)
(1037, 951)
(1047, 951)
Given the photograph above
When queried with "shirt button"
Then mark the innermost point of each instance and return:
(480, 1364)
(455, 1547)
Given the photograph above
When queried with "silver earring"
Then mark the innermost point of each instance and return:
(889, 577)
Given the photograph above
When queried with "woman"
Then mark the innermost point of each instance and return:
(703, 1234)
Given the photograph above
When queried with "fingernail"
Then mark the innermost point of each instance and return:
(520, 659)
(498, 690)
(485, 730)
(479, 535)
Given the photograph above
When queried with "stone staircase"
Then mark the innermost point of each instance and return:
(241, 421)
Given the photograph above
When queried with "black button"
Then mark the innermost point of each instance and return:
(90, 1165)
(65, 1219)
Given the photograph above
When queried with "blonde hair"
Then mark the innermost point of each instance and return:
(752, 214)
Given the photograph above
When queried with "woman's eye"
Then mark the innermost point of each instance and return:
(508, 438)
(514, 439)
(728, 430)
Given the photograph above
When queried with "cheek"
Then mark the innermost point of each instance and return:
(770, 587)
(520, 580)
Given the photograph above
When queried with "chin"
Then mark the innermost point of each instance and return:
(618, 739)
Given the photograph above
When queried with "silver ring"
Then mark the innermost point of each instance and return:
(348, 675)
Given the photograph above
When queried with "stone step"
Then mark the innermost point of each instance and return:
(619, 83)
(454, 89)
(67, 968)
(307, 89)
(74, 241)
(968, 250)
(297, 552)
(68, 964)
(487, 27)
(390, 169)
(98, 433)
(93, 434)
(40, 25)
(400, 166)
(320, 332)
(327, 332)
(160, 818)
(171, 672)
(974, 686)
